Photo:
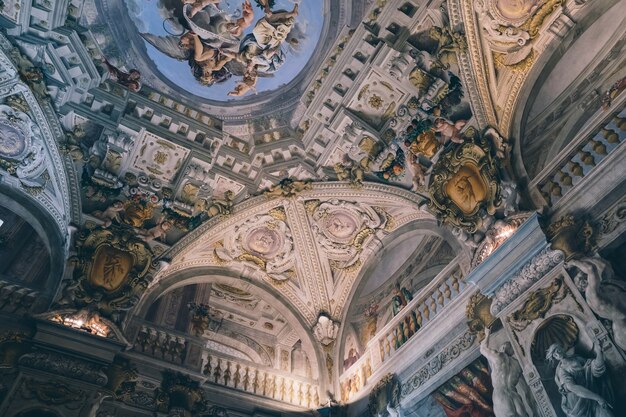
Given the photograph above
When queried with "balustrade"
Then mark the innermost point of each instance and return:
(228, 371)
(426, 305)
(262, 381)
(581, 157)
(161, 344)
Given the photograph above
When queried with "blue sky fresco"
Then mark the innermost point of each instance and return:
(150, 17)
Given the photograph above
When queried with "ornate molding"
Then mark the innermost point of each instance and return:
(442, 359)
(530, 273)
(325, 330)
(113, 270)
(64, 366)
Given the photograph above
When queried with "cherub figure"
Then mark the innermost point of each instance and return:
(248, 83)
(246, 19)
(130, 80)
(349, 170)
(110, 213)
(157, 232)
(418, 172)
(449, 131)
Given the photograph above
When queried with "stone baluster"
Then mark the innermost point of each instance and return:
(208, 367)
(237, 377)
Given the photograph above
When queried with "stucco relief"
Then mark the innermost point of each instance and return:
(344, 228)
(263, 241)
(22, 150)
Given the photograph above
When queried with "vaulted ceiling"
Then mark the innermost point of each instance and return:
(291, 212)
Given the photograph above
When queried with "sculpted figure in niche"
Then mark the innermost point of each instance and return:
(507, 380)
(605, 294)
(585, 389)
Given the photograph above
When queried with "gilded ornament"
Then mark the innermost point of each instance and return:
(464, 183)
(113, 269)
(537, 304)
(278, 213)
(573, 235)
(478, 314)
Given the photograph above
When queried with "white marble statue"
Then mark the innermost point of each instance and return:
(605, 294)
(507, 380)
(584, 387)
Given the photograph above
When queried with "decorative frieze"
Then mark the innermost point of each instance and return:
(530, 273)
(436, 364)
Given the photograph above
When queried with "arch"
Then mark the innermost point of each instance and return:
(555, 52)
(213, 275)
(428, 227)
(48, 230)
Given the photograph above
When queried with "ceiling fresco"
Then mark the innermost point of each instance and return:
(223, 50)
(263, 185)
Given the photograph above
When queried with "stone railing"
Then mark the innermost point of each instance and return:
(161, 344)
(426, 305)
(259, 380)
(225, 370)
(583, 154)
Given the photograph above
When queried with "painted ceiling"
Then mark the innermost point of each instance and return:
(170, 21)
(292, 211)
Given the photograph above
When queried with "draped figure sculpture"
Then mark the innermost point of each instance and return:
(507, 380)
(605, 294)
(583, 383)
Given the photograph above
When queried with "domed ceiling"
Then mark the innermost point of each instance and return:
(228, 53)
(242, 35)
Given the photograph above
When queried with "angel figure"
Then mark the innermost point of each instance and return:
(418, 173)
(130, 79)
(261, 49)
(207, 61)
(110, 213)
(272, 29)
(449, 131)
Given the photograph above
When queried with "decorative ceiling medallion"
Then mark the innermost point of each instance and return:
(344, 229)
(514, 12)
(264, 241)
(465, 185)
(112, 270)
(21, 145)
